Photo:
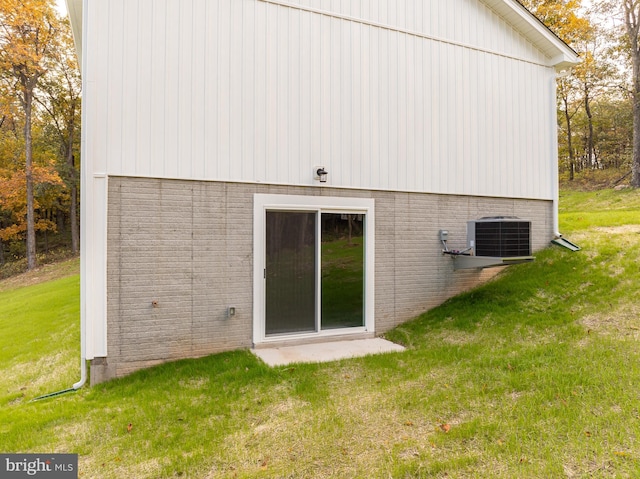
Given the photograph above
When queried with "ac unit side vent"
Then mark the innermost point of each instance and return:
(502, 238)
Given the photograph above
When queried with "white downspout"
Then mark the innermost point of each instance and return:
(83, 215)
(555, 179)
(83, 354)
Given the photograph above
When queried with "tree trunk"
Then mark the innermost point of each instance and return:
(31, 229)
(632, 13)
(635, 165)
(572, 159)
(60, 215)
(73, 187)
(590, 148)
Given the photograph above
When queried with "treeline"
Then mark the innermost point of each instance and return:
(40, 92)
(596, 98)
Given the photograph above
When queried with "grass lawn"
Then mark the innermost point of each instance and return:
(536, 374)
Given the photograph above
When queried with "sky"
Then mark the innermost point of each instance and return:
(62, 7)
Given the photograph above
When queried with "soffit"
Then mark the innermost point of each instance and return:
(74, 9)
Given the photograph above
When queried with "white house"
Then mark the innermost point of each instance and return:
(208, 222)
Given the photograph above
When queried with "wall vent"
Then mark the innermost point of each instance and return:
(500, 236)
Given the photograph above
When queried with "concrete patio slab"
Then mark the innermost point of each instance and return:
(324, 352)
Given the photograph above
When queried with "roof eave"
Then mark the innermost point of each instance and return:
(564, 64)
(74, 9)
(561, 56)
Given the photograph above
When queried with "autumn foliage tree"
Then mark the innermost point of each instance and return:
(563, 18)
(592, 105)
(631, 12)
(61, 100)
(33, 58)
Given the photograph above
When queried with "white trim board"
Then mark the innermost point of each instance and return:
(415, 33)
(264, 202)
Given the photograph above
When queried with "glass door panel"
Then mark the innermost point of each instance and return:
(342, 270)
(290, 272)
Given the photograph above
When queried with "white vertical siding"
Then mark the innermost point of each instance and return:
(249, 90)
(156, 155)
(143, 77)
(188, 98)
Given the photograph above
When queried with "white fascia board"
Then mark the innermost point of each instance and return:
(74, 9)
(563, 63)
(561, 56)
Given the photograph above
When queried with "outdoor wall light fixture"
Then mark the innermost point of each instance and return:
(321, 174)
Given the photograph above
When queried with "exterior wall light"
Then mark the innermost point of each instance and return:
(321, 174)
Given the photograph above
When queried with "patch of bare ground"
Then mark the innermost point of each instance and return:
(47, 272)
(113, 465)
(618, 230)
(589, 469)
(623, 232)
(48, 371)
(456, 337)
(620, 322)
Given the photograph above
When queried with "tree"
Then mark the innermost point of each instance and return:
(47, 185)
(568, 110)
(574, 90)
(28, 41)
(614, 131)
(562, 17)
(60, 98)
(595, 76)
(631, 10)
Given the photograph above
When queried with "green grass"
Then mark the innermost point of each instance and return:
(40, 342)
(343, 283)
(581, 210)
(535, 374)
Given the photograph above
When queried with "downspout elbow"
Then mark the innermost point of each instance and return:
(83, 374)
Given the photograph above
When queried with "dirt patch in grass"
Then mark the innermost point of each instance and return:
(47, 272)
(69, 436)
(626, 233)
(194, 383)
(594, 180)
(115, 466)
(620, 323)
(457, 337)
(618, 230)
(48, 372)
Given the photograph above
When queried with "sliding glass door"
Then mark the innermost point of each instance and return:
(314, 271)
(342, 270)
(291, 272)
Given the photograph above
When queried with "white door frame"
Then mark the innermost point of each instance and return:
(322, 204)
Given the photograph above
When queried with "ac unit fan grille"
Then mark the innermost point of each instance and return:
(503, 239)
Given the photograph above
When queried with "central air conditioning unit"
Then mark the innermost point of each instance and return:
(499, 236)
(496, 241)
